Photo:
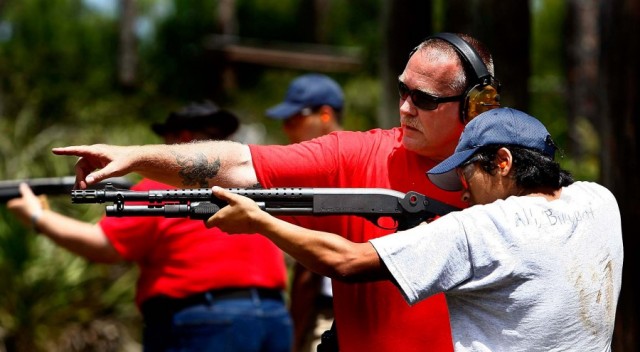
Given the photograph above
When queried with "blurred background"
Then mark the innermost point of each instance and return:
(101, 71)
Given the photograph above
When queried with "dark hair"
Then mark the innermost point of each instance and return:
(532, 168)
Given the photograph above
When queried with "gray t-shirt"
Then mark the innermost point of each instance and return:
(521, 274)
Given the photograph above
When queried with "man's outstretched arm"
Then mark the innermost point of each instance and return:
(190, 165)
(324, 253)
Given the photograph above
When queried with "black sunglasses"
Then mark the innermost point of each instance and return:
(423, 100)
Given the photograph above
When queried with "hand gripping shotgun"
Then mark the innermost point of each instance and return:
(407, 209)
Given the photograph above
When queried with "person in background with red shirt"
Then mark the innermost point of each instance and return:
(199, 289)
(312, 107)
(442, 86)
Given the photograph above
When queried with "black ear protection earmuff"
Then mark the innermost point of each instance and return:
(483, 92)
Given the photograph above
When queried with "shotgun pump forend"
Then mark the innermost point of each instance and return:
(407, 209)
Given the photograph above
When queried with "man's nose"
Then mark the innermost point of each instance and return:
(407, 108)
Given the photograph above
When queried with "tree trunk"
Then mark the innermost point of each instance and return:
(227, 19)
(505, 27)
(128, 48)
(322, 8)
(307, 21)
(227, 26)
(458, 17)
(406, 24)
(618, 124)
(582, 44)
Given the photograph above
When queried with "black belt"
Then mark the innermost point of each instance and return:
(164, 305)
(324, 302)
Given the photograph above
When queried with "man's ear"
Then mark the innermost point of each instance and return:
(326, 113)
(504, 160)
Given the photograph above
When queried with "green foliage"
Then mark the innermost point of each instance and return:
(176, 59)
(548, 87)
(276, 15)
(45, 289)
(57, 69)
(547, 83)
(357, 24)
(54, 47)
(548, 17)
(362, 98)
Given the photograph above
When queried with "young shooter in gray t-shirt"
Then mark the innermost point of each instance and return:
(519, 274)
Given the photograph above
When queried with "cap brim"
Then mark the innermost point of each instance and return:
(283, 111)
(444, 175)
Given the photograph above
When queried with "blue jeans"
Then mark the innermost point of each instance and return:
(228, 324)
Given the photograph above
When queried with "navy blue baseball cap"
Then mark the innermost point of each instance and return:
(307, 91)
(501, 126)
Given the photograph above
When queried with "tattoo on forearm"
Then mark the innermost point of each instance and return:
(197, 170)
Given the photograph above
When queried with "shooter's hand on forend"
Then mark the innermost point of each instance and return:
(239, 216)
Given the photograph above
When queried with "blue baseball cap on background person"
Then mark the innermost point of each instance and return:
(501, 126)
(308, 91)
